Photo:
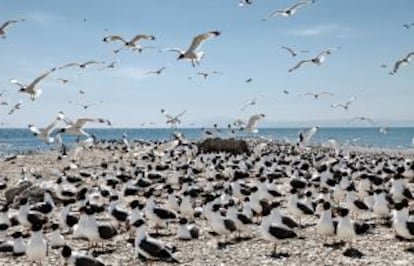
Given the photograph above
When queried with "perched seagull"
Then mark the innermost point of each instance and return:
(75, 128)
(363, 118)
(318, 60)
(157, 72)
(37, 246)
(402, 62)
(32, 89)
(7, 24)
(173, 120)
(245, 2)
(77, 259)
(252, 122)
(292, 52)
(290, 11)
(82, 65)
(44, 133)
(345, 106)
(318, 94)
(193, 54)
(131, 44)
(15, 107)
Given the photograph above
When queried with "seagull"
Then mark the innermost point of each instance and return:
(84, 106)
(402, 62)
(17, 245)
(363, 118)
(345, 106)
(132, 44)
(248, 80)
(292, 52)
(305, 137)
(318, 60)
(75, 128)
(290, 11)
(7, 24)
(15, 107)
(158, 72)
(110, 65)
(286, 92)
(82, 65)
(64, 81)
(193, 54)
(148, 247)
(44, 133)
(32, 89)
(252, 122)
(173, 120)
(205, 75)
(318, 94)
(250, 102)
(245, 2)
(383, 130)
(36, 249)
(77, 259)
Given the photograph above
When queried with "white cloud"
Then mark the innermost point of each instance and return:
(320, 30)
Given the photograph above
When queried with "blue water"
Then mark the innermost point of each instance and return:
(21, 140)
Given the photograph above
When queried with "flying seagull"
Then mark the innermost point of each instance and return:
(44, 133)
(173, 120)
(245, 2)
(17, 106)
(157, 72)
(76, 128)
(363, 118)
(252, 122)
(345, 106)
(7, 24)
(318, 94)
(84, 106)
(82, 65)
(402, 62)
(131, 44)
(306, 136)
(292, 52)
(318, 60)
(110, 65)
(290, 11)
(193, 54)
(248, 103)
(32, 88)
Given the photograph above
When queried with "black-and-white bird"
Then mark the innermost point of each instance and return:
(252, 123)
(17, 246)
(149, 247)
(402, 62)
(318, 60)
(172, 120)
(245, 2)
(364, 119)
(186, 231)
(17, 106)
(37, 246)
(316, 95)
(82, 65)
(78, 259)
(306, 136)
(7, 24)
(76, 128)
(292, 52)
(132, 44)
(193, 54)
(44, 133)
(32, 89)
(55, 238)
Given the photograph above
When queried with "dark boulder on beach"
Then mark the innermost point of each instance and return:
(233, 146)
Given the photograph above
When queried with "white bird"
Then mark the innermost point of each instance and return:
(173, 120)
(292, 52)
(75, 128)
(131, 44)
(7, 24)
(83, 64)
(252, 122)
(290, 11)
(205, 75)
(193, 54)
(245, 2)
(318, 60)
(78, 259)
(402, 62)
(248, 103)
(44, 133)
(345, 106)
(37, 246)
(364, 119)
(316, 95)
(17, 106)
(32, 88)
(383, 130)
(305, 137)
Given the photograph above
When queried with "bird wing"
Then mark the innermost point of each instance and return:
(307, 135)
(69, 65)
(82, 121)
(177, 50)
(139, 37)
(353, 98)
(325, 93)
(34, 129)
(40, 78)
(409, 55)
(50, 127)
(299, 65)
(290, 50)
(92, 62)
(199, 39)
(112, 38)
(180, 114)
(17, 83)
(297, 5)
(8, 23)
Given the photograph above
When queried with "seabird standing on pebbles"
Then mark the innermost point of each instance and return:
(186, 231)
(77, 259)
(37, 248)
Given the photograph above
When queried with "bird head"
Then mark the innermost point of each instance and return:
(180, 57)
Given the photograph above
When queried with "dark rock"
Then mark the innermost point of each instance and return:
(233, 146)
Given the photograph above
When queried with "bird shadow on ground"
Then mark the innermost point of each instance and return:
(410, 250)
(97, 253)
(237, 240)
(279, 255)
(156, 235)
(335, 245)
(353, 253)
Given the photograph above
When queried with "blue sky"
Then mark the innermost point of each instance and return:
(370, 33)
